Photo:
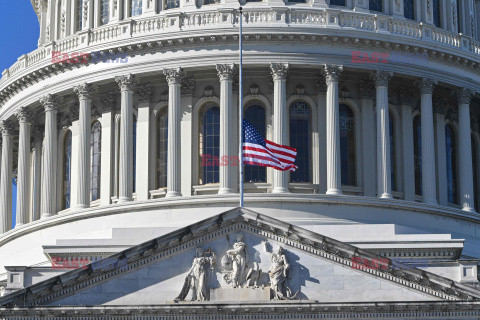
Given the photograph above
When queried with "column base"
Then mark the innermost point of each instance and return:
(468, 209)
(385, 196)
(18, 225)
(225, 191)
(280, 190)
(431, 201)
(172, 194)
(83, 206)
(334, 192)
(124, 199)
(46, 215)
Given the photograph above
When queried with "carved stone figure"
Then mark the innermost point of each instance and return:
(278, 274)
(197, 277)
(253, 276)
(234, 262)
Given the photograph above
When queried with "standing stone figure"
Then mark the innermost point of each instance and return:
(278, 274)
(236, 260)
(196, 279)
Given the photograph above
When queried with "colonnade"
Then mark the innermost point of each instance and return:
(279, 72)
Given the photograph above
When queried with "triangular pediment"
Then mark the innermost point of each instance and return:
(171, 268)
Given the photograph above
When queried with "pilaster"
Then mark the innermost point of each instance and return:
(144, 144)
(407, 101)
(367, 90)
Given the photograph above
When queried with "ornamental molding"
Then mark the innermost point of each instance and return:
(188, 86)
(217, 227)
(279, 71)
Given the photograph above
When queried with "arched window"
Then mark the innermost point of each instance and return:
(375, 5)
(67, 169)
(210, 144)
(105, 11)
(96, 158)
(436, 13)
(172, 4)
(408, 9)
(475, 173)
(392, 151)
(255, 114)
(450, 145)
(162, 144)
(300, 138)
(337, 3)
(79, 17)
(136, 7)
(347, 145)
(134, 153)
(417, 154)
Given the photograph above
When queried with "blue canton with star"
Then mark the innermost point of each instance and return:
(251, 135)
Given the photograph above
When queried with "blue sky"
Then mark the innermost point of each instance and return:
(19, 30)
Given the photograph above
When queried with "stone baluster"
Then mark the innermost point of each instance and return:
(6, 176)
(225, 72)
(174, 79)
(332, 76)
(127, 84)
(279, 73)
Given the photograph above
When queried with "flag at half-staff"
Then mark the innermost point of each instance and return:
(257, 151)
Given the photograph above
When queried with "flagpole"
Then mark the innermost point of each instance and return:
(240, 104)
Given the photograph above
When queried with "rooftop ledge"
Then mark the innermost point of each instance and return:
(179, 27)
(232, 200)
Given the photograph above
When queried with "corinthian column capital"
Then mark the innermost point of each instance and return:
(126, 82)
(225, 71)
(50, 102)
(332, 73)
(464, 96)
(84, 91)
(279, 71)
(174, 76)
(24, 115)
(381, 78)
(7, 127)
(426, 85)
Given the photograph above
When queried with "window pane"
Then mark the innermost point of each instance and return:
(79, 10)
(170, 4)
(95, 163)
(162, 140)
(210, 145)
(67, 167)
(337, 3)
(256, 116)
(347, 145)
(375, 5)
(408, 9)
(300, 139)
(105, 11)
(136, 7)
(451, 164)
(436, 13)
(417, 151)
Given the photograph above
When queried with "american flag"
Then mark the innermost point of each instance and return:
(260, 152)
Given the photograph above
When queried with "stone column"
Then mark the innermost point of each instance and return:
(36, 176)
(367, 91)
(332, 75)
(174, 78)
(465, 165)
(6, 176)
(280, 120)
(428, 142)
(225, 73)
(321, 88)
(84, 92)
(125, 184)
(23, 172)
(49, 174)
(407, 100)
(383, 135)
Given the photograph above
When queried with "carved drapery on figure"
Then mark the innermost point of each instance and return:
(198, 275)
(234, 262)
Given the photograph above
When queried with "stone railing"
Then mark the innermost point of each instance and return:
(164, 23)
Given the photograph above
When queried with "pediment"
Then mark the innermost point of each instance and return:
(235, 256)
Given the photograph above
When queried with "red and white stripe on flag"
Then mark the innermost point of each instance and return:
(271, 155)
